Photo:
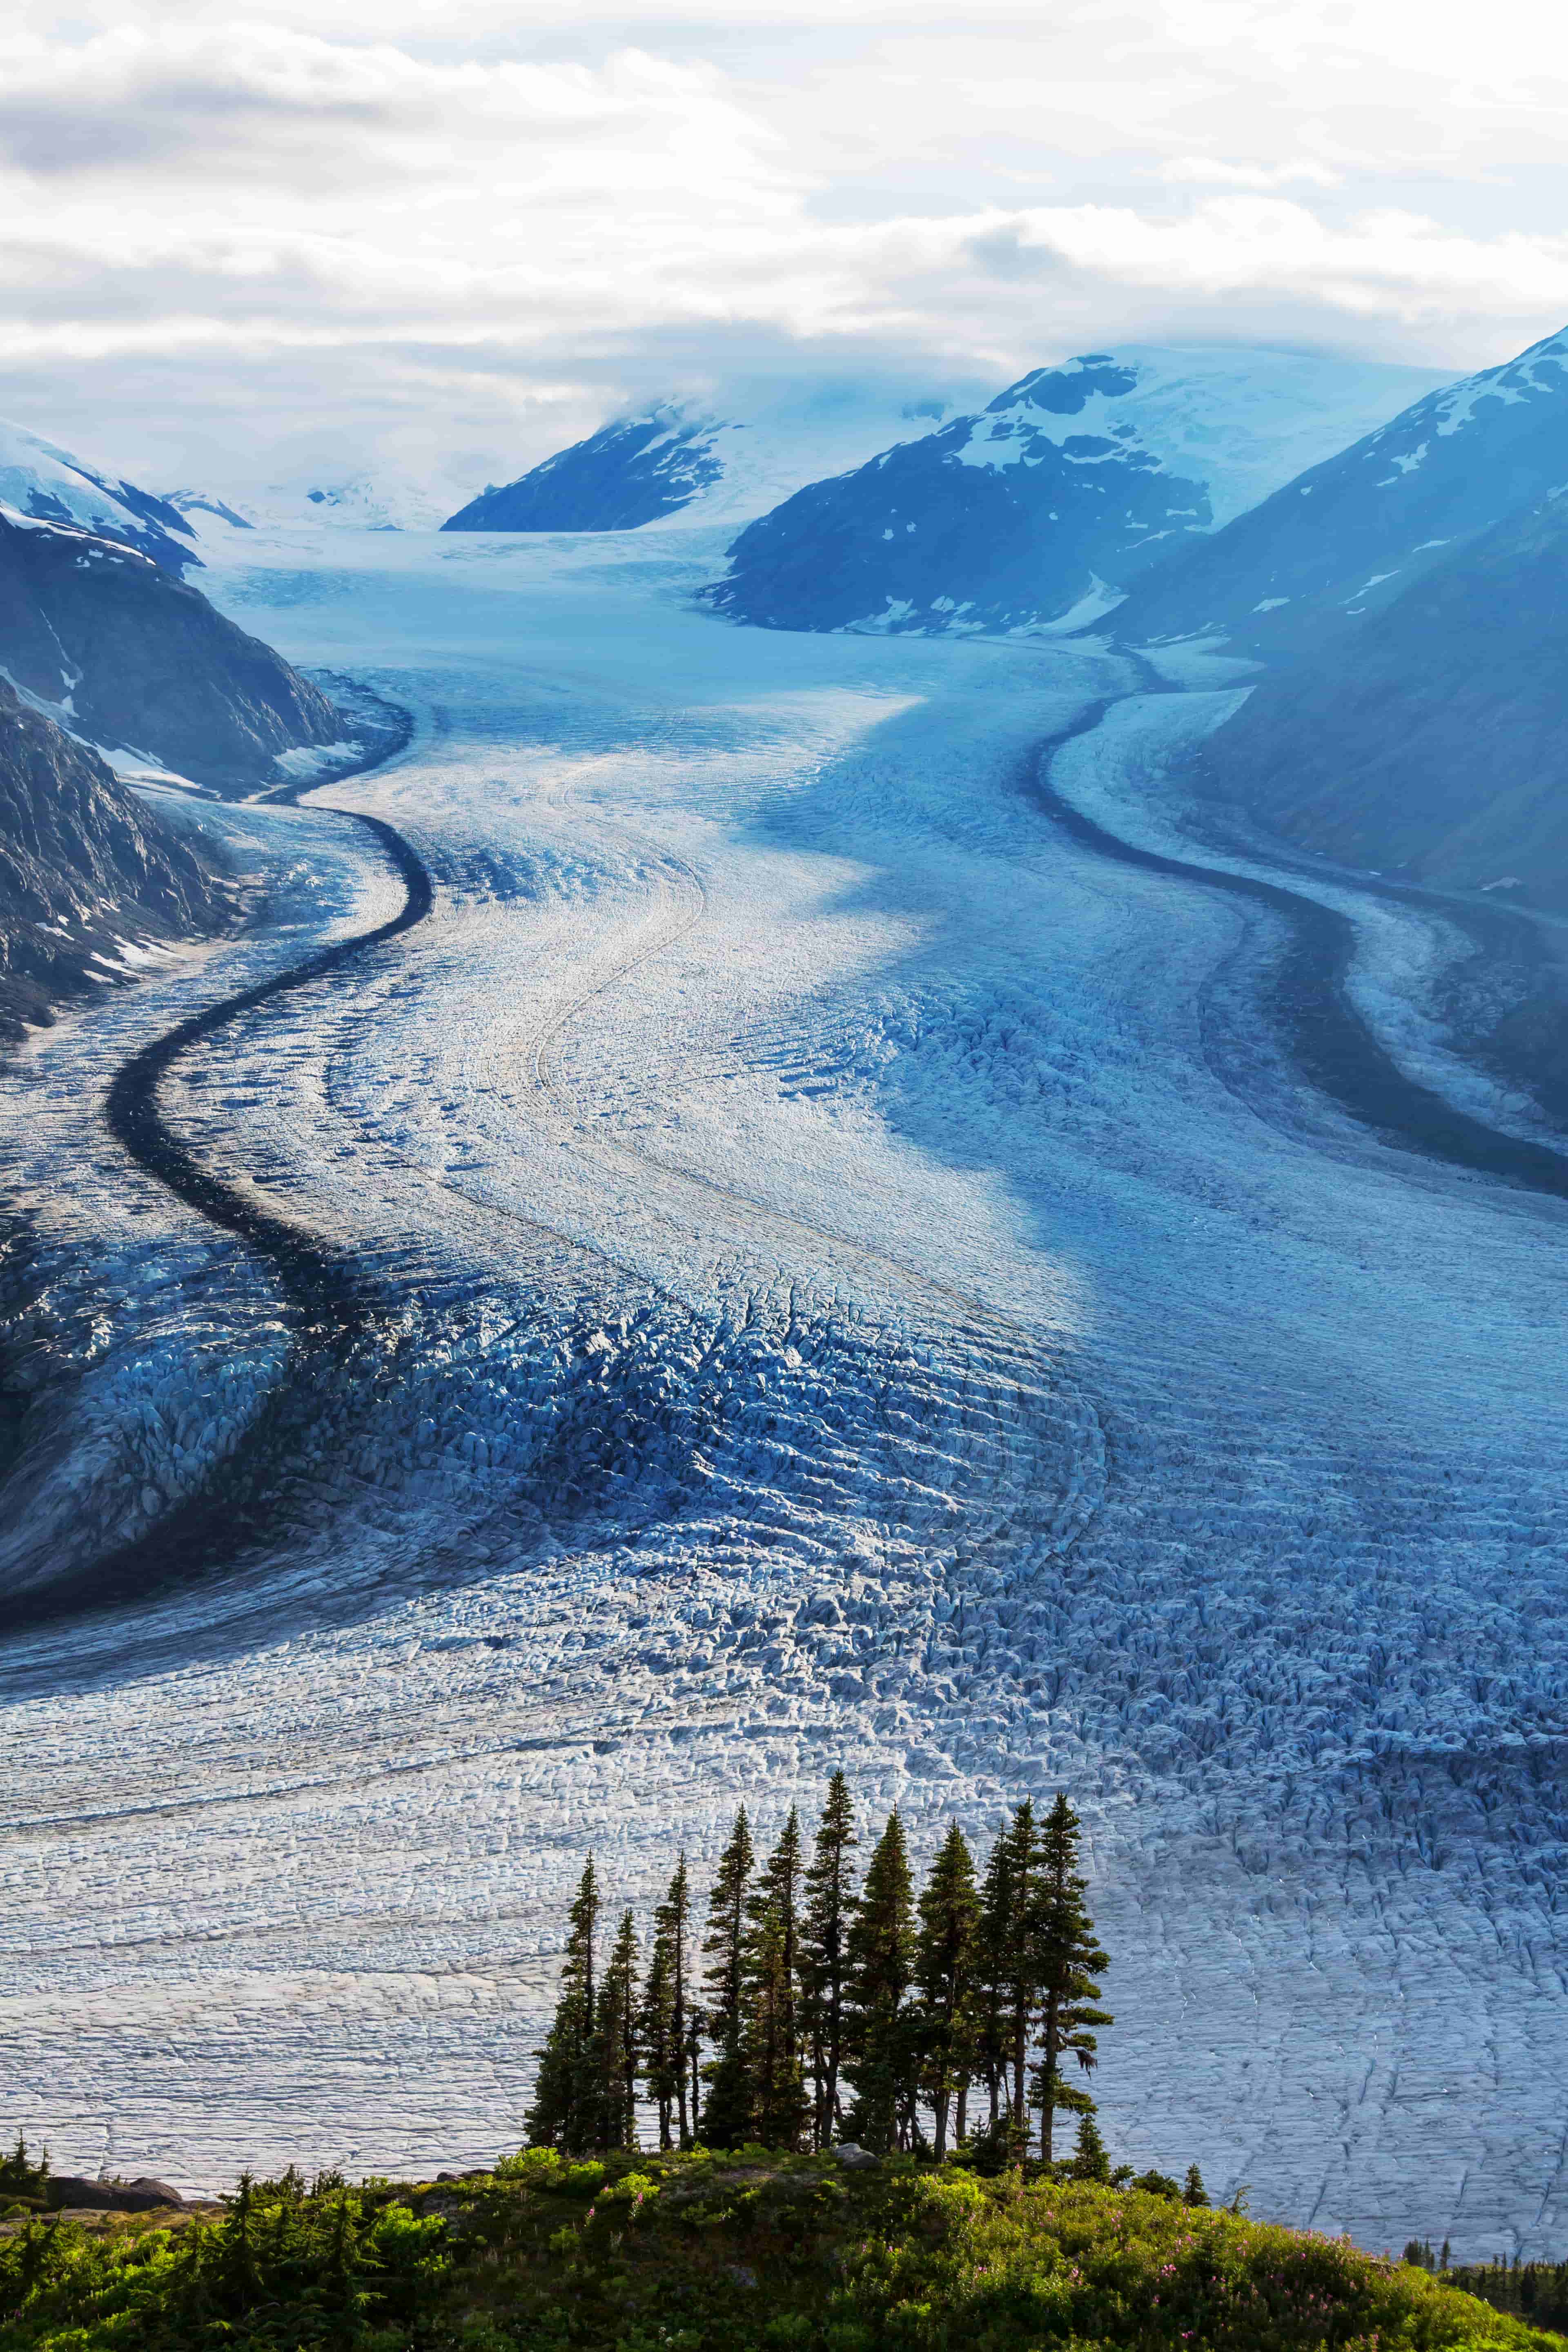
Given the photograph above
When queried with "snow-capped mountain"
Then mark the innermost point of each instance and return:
(40, 479)
(1041, 507)
(1350, 535)
(683, 464)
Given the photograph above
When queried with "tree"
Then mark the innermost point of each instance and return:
(664, 2020)
(1089, 2160)
(1025, 1945)
(881, 1953)
(830, 1906)
(994, 1939)
(945, 1973)
(562, 2114)
(727, 2115)
(1071, 1959)
(614, 2051)
(1195, 2193)
(771, 2044)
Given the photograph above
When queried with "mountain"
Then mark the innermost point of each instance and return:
(1042, 508)
(1433, 736)
(50, 485)
(679, 462)
(90, 878)
(130, 656)
(1349, 536)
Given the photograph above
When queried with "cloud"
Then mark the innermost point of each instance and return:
(307, 217)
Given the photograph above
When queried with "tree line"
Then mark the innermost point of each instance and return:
(814, 2007)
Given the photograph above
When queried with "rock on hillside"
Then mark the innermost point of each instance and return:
(133, 658)
(48, 484)
(1041, 508)
(1348, 537)
(89, 877)
(680, 462)
(1435, 736)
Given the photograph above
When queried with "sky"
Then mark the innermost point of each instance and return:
(460, 236)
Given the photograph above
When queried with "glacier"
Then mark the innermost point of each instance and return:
(844, 1273)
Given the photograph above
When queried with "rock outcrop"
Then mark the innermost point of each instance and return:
(89, 876)
(130, 656)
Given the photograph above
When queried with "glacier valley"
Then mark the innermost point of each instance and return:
(830, 1268)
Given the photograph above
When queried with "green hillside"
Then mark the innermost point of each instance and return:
(732, 2253)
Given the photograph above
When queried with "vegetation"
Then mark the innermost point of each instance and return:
(739, 2253)
(818, 1991)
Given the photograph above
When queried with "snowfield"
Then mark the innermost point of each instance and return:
(848, 1275)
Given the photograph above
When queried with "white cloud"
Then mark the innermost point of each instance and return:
(345, 220)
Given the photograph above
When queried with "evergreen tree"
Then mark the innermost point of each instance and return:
(727, 2115)
(563, 2111)
(614, 2051)
(1024, 1954)
(946, 1964)
(663, 2020)
(830, 1904)
(1195, 2193)
(1071, 1959)
(772, 2044)
(1089, 2160)
(882, 1954)
(993, 1938)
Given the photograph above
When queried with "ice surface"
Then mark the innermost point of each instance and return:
(862, 1285)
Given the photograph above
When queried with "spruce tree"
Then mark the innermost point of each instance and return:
(1071, 1959)
(830, 1904)
(615, 2051)
(945, 1972)
(1089, 2161)
(882, 1954)
(664, 2021)
(564, 2112)
(1195, 2193)
(771, 2041)
(727, 2115)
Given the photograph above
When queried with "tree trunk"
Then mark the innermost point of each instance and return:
(961, 2128)
(940, 2104)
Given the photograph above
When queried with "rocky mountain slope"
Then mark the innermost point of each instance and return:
(679, 462)
(130, 656)
(1433, 736)
(50, 485)
(1349, 536)
(90, 878)
(1042, 508)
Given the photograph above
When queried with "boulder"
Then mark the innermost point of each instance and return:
(856, 2159)
(141, 2196)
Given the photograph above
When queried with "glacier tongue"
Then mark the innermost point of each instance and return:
(863, 1285)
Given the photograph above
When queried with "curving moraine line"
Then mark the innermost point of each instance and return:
(332, 1306)
(1329, 1041)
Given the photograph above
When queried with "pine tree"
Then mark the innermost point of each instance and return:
(727, 2115)
(615, 2051)
(830, 1904)
(663, 2020)
(771, 2045)
(1195, 2193)
(881, 1953)
(562, 2114)
(1070, 1959)
(945, 1962)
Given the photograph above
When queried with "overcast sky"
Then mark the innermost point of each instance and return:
(320, 229)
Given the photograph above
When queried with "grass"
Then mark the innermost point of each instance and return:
(709, 2252)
